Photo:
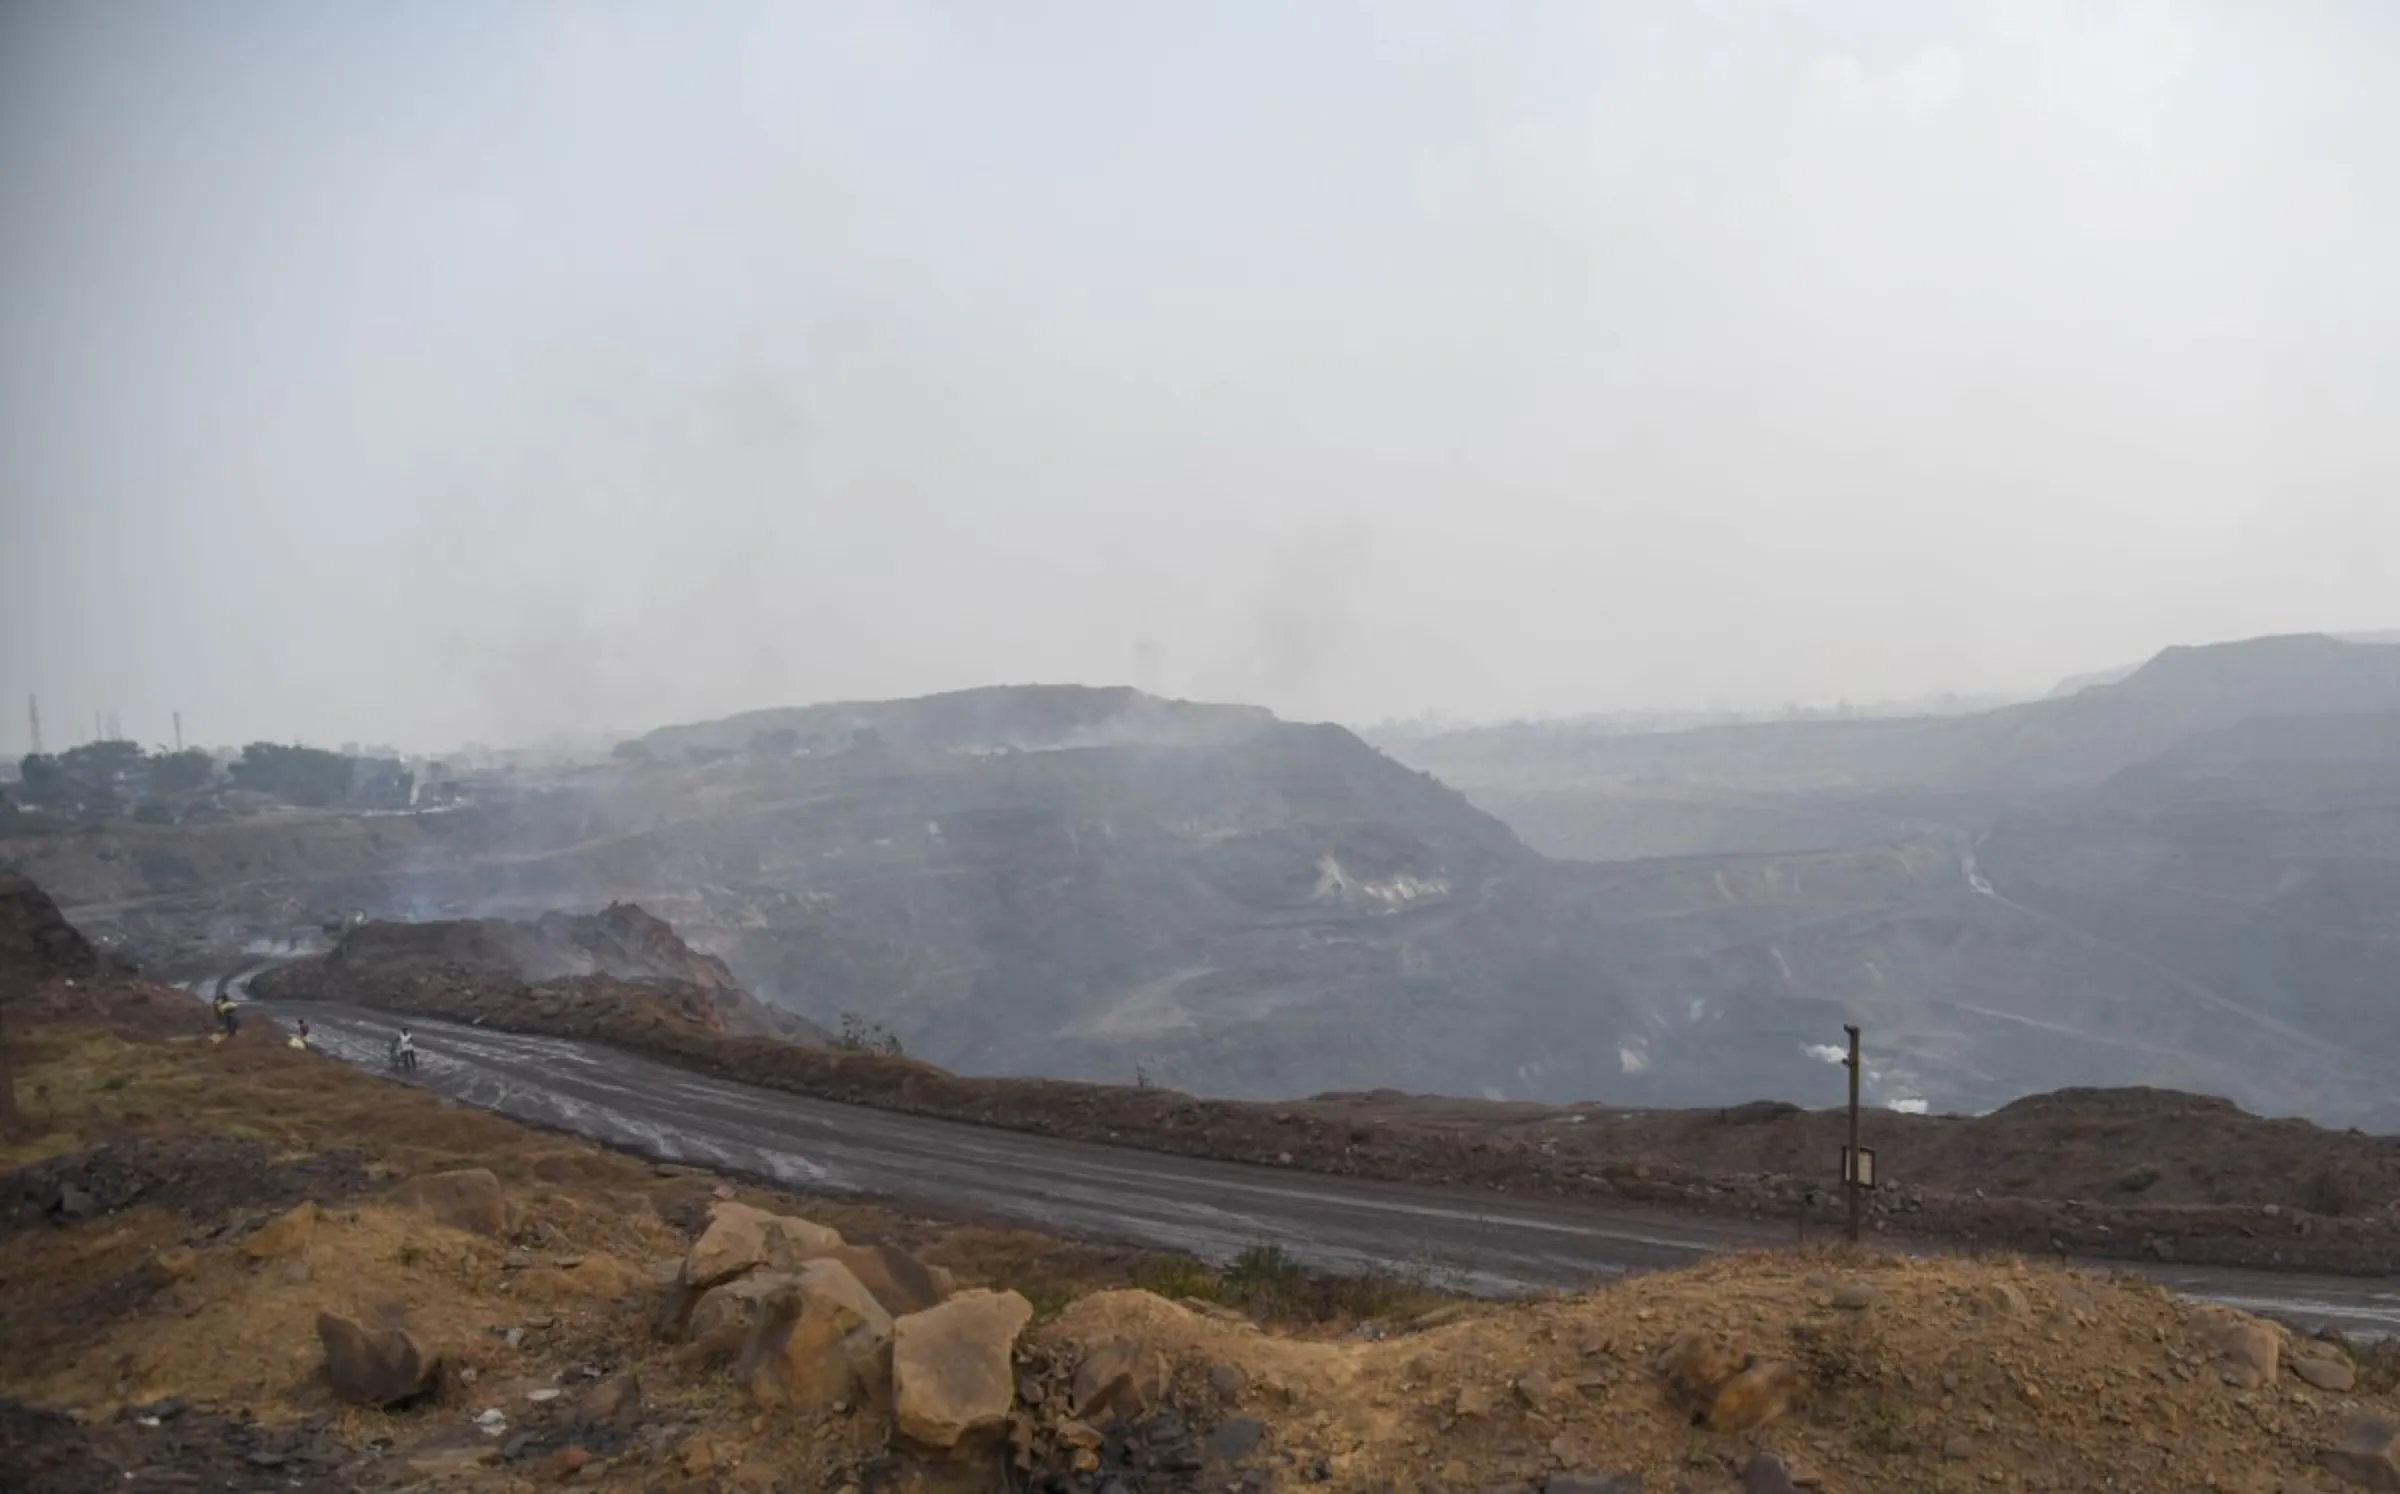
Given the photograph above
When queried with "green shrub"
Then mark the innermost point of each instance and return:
(1880, 1429)
(1266, 1282)
(1176, 1276)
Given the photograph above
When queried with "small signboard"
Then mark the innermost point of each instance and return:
(1858, 1167)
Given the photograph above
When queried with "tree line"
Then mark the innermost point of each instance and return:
(105, 776)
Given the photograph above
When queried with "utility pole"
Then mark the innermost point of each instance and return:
(1852, 1183)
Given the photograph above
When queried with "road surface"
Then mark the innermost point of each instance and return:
(1487, 1244)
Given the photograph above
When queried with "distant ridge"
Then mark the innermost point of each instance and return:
(988, 718)
(2076, 683)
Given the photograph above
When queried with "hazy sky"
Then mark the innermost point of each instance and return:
(420, 372)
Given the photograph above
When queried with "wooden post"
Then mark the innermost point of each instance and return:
(1850, 1161)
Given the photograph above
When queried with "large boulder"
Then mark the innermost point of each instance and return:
(2251, 1350)
(741, 1239)
(822, 1338)
(1118, 1379)
(375, 1366)
(722, 1317)
(470, 1199)
(2323, 1365)
(901, 1282)
(951, 1374)
(2368, 1454)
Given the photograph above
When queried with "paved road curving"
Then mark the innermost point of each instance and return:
(1484, 1243)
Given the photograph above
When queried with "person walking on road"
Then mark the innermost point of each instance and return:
(404, 1051)
(227, 1017)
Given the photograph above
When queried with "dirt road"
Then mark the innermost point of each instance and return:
(1480, 1243)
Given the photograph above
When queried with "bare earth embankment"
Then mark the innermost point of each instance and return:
(241, 1266)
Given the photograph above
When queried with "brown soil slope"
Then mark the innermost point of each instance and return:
(158, 1329)
(37, 944)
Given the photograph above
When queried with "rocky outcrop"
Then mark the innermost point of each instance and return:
(951, 1367)
(822, 1339)
(780, 1292)
(740, 1239)
(375, 1367)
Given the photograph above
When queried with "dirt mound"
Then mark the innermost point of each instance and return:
(1768, 1372)
(37, 944)
(621, 941)
(2100, 1171)
(630, 944)
(49, 970)
(619, 970)
(117, 1000)
(2131, 1103)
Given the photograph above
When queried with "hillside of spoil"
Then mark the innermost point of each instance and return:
(37, 944)
(2181, 880)
(613, 975)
